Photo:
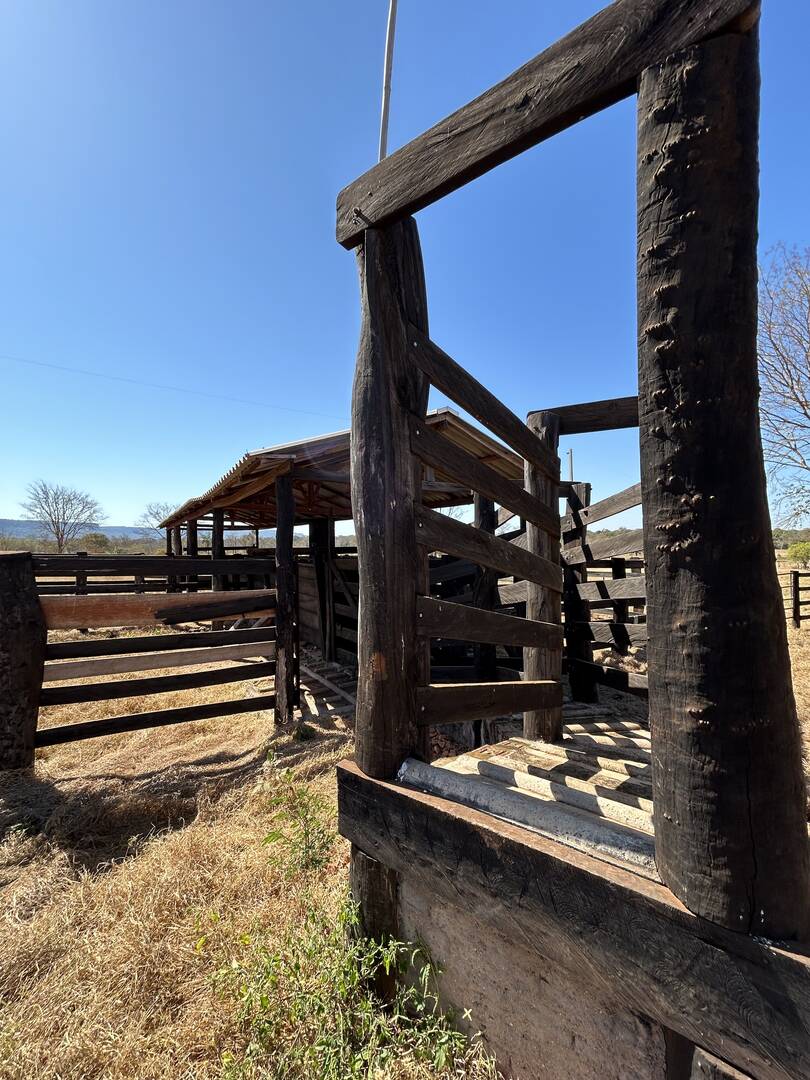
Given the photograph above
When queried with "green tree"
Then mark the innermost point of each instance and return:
(800, 553)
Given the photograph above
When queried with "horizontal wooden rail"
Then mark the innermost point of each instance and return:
(610, 415)
(591, 68)
(618, 634)
(628, 681)
(629, 588)
(162, 684)
(160, 565)
(119, 665)
(437, 451)
(440, 533)
(76, 612)
(109, 588)
(615, 504)
(201, 639)
(450, 703)
(442, 618)
(116, 725)
(467, 392)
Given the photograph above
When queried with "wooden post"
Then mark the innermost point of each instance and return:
(730, 828)
(217, 543)
(541, 603)
(621, 608)
(796, 597)
(171, 579)
(285, 601)
(485, 587)
(193, 550)
(577, 611)
(322, 551)
(22, 656)
(386, 490)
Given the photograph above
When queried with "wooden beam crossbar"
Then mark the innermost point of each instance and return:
(449, 703)
(460, 622)
(203, 639)
(614, 504)
(117, 665)
(435, 450)
(75, 612)
(436, 532)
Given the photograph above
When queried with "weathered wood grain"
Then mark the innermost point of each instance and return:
(735, 995)
(466, 391)
(118, 665)
(115, 725)
(22, 655)
(629, 681)
(726, 756)
(629, 588)
(150, 565)
(205, 639)
(436, 532)
(385, 496)
(543, 604)
(286, 613)
(442, 618)
(440, 453)
(605, 508)
(75, 612)
(448, 703)
(594, 66)
(484, 598)
(609, 415)
(616, 634)
(581, 678)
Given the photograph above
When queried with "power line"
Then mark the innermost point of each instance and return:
(166, 386)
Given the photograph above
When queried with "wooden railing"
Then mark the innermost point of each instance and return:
(391, 443)
(795, 586)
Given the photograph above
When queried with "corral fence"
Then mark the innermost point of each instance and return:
(795, 585)
(227, 609)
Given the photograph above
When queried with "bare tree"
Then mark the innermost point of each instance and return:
(784, 374)
(150, 519)
(63, 513)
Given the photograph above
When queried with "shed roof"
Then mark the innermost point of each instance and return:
(320, 474)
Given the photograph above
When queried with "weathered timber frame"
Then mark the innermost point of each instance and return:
(731, 837)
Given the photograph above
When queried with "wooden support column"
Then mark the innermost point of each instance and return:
(193, 550)
(730, 822)
(485, 588)
(577, 611)
(22, 656)
(543, 604)
(286, 613)
(217, 543)
(322, 552)
(386, 490)
(171, 579)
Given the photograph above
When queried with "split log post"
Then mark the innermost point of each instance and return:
(218, 581)
(386, 492)
(582, 679)
(322, 552)
(171, 579)
(22, 656)
(542, 604)
(730, 829)
(192, 550)
(286, 614)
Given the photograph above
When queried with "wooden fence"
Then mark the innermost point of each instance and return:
(795, 585)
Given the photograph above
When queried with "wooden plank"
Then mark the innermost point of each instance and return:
(75, 612)
(286, 615)
(628, 681)
(726, 742)
(629, 588)
(610, 415)
(615, 504)
(437, 532)
(451, 703)
(593, 67)
(441, 618)
(603, 549)
(117, 665)
(22, 653)
(203, 639)
(439, 452)
(512, 593)
(162, 684)
(744, 998)
(578, 646)
(619, 635)
(117, 725)
(543, 604)
(462, 388)
(386, 491)
(157, 565)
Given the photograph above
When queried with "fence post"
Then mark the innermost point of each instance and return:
(578, 646)
(192, 550)
(285, 601)
(543, 604)
(730, 819)
(795, 596)
(322, 552)
(22, 655)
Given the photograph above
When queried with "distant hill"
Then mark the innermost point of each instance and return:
(17, 527)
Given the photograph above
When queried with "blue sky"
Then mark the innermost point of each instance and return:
(167, 216)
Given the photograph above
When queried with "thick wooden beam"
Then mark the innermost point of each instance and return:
(322, 551)
(609, 415)
(440, 453)
(628, 681)
(439, 533)
(286, 613)
(443, 703)
(581, 677)
(443, 618)
(740, 997)
(158, 565)
(594, 66)
(22, 655)
(543, 603)
(386, 493)
(484, 596)
(472, 396)
(126, 609)
(198, 639)
(218, 544)
(614, 504)
(116, 665)
(730, 821)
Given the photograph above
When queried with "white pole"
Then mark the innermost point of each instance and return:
(389, 63)
(570, 464)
